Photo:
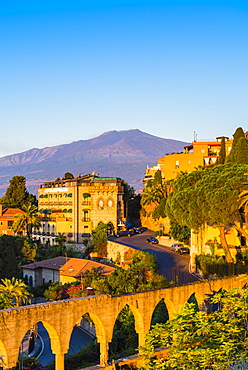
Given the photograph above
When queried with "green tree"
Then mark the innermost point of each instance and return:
(68, 176)
(61, 239)
(29, 250)
(13, 292)
(16, 194)
(209, 196)
(222, 153)
(154, 190)
(242, 151)
(10, 255)
(25, 222)
(100, 239)
(200, 341)
(129, 191)
(232, 157)
(180, 233)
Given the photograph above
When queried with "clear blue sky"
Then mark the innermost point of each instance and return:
(71, 70)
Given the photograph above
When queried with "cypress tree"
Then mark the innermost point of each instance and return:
(242, 151)
(232, 157)
(222, 153)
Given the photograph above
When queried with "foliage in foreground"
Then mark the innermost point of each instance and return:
(87, 356)
(199, 341)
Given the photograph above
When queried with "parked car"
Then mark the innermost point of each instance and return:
(152, 240)
(183, 250)
(175, 246)
(124, 233)
(137, 230)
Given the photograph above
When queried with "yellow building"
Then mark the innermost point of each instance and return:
(76, 206)
(196, 154)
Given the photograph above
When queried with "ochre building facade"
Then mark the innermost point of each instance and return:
(196, 154)
(76, 206)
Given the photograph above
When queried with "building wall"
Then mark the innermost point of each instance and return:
(39, 276)
(75, 207)
(197, 154)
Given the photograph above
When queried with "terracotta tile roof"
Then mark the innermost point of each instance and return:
(77, 267)
(9, 213)
(12, 211)
(53, 264)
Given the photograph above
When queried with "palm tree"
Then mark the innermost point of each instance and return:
(60, 239)
(25, 221)
(13, 292)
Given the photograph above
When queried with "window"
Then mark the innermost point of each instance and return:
(100, 204)
(110, 203)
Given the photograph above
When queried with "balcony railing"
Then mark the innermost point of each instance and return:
(85, 219)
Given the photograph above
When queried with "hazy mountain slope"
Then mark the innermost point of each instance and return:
(114, 153)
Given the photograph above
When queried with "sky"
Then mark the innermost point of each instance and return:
(72, 70)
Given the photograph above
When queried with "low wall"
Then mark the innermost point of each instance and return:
(119, 252)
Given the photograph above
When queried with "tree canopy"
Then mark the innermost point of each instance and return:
(100, 239)
(200, 341)
(16, 194)
(239, 151)
(13, 293)
(68, 176)
(25, 221)
(209, 196)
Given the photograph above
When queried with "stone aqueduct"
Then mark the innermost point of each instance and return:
(60, 317)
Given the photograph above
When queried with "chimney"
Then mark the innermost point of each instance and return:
(1, 210)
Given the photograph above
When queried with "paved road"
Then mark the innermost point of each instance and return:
(79, 339)
(169, 262)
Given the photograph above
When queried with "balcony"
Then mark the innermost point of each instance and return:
(86, 219)
(85, 203)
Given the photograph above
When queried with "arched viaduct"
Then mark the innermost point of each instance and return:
(60, 317)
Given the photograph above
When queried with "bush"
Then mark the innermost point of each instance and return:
(217, 266)
(87, 356)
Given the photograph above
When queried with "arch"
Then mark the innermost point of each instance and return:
(53, 335)
(100, 329)
(200, 300)
(139, 322)
(169, 305)
(160, 313)
(125, 336)
(110, 228)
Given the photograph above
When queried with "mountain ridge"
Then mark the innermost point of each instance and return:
(122, 153)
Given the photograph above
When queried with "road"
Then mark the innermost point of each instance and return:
(169, 262)
(79, 339)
